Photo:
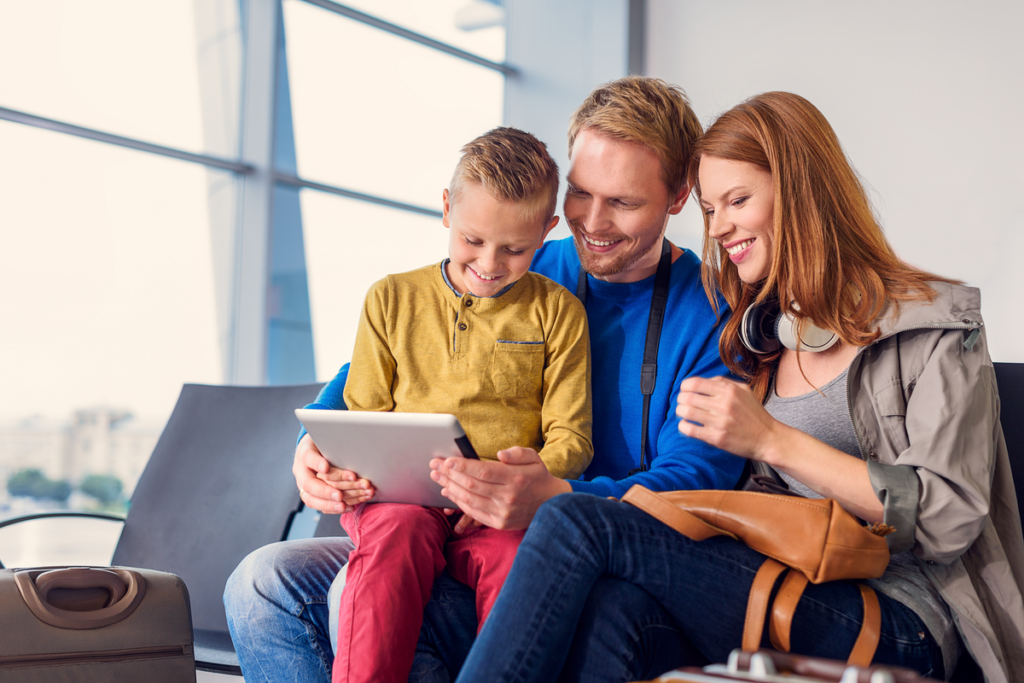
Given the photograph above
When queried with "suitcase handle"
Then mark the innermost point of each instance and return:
(81, 579)
(126, 589)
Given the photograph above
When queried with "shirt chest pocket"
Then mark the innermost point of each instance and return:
(517, 368)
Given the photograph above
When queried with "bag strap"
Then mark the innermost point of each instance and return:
(649, 368)
(867, 642)
(757, 603)
(686, 523)
(784, 607)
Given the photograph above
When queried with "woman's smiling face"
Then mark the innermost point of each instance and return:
(739, 201)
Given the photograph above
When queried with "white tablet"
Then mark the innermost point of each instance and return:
(391, 450)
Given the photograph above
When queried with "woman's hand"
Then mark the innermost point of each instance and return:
(729, 417)
(732, 419)
(323, 487)
(501, 495)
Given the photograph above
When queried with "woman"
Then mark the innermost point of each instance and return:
(898, 420)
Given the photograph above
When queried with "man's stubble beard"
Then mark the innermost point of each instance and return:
(590, 262)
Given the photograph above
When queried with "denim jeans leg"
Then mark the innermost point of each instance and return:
(276, 605)
(449, 627)
(577, 539)
(625, 635)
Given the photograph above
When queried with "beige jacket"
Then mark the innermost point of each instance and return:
(926, 411)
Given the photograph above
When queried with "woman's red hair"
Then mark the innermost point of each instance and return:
(829, 256)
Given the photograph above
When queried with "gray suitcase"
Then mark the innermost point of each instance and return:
(95, 625)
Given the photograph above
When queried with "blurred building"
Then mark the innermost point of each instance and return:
(98, 440)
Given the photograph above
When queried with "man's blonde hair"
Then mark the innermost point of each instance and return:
(647, 111)
(511, 165)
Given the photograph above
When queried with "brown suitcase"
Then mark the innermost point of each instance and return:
(769, 666)
(95, 625)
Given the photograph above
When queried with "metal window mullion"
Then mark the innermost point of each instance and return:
(248, 338)
(295, 181)
(394, 29)
(56, 126)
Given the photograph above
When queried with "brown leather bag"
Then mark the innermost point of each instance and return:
(816, 540)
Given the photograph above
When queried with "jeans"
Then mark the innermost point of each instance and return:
(602, 591)
(277, 607)
(399, 551)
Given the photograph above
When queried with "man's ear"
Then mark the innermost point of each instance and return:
(547, 230)
(445, 199)
(680, 200)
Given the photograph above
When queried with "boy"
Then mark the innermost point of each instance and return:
(479, 336)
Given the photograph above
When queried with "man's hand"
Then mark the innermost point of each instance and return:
(501, 495)
(323, 487)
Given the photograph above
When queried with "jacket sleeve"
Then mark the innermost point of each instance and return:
(566, 410)
(937, 491)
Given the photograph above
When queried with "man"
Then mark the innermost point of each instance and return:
(629, 148)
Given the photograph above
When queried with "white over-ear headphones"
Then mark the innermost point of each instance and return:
(763, 330)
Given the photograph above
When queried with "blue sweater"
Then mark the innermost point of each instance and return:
(617, 315)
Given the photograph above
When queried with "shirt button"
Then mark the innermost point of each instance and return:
(873, 456)
(469, 302)
(462, 326)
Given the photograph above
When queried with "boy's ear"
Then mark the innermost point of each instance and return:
(447, 208)
(547, 230)
(680, 200)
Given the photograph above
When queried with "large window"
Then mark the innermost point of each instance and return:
(379, 115)
(132, 136)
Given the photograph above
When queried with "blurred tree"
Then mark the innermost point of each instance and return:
(25, 482)
(105, 488)
(32, 483)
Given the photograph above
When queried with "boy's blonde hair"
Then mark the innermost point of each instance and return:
(647, 111)
(511, 165)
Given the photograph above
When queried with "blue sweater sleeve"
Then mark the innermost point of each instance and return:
(681, 462)
(331, 397)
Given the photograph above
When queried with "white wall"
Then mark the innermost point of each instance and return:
(926, 96)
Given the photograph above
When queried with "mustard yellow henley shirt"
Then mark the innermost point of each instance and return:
(514, 369)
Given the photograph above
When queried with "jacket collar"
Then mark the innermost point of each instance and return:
(954, 307)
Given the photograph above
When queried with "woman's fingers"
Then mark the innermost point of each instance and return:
(723, 413)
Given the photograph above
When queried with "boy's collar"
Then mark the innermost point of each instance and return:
(444, 274)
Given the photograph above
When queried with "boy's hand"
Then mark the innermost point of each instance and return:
(317, 493)
(353, 489)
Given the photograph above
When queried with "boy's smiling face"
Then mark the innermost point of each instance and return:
(492, 241)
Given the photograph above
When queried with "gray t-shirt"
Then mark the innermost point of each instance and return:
(826, 417)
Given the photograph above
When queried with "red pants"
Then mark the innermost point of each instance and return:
(400, 550)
